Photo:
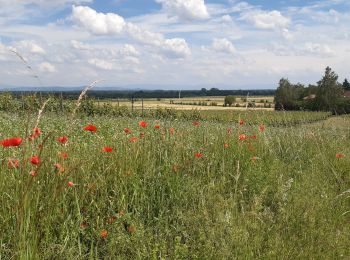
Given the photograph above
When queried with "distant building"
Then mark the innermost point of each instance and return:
(347, 93)
(310, 97)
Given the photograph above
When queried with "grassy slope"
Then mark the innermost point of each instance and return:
(289, 203)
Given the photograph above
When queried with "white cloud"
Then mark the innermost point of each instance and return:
(223, 45)
(98, 23)
(47, 67)
(114, 25)
(226, 18)
(266, 20)
(318, 49)
(30, 46)
(185, 9)
(101, 64)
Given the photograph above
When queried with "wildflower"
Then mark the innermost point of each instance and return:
(229, 131)
(241, 122)
(254, 158)
(171, 131)
(198, 155)
(143, 124)
(35, 160)
(84, 225)
(142, 135)
(70, 184)
(133, 139)
(59, 167)
(11, 142)
(242, 137)
(111, 219)
(261, 128)
(12, 163)
(157, 126)
(37, 131)
(104, 234)
(63, 155)
(339, 155)
(62, 139)
(226, 145)
(127, 131)
(131, 229)
(90, 128)
(252, 137)
(33, 173)
(121, 213)
(175, 168)
(107, 149)
(196, 123)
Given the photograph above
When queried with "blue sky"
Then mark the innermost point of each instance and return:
(173, 43)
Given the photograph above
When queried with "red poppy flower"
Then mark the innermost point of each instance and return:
(63, 155)
(12, 163)
(33, 173)
(242, 137)
(252, 136)
(37, 131)
(142, 135)
(70, 184)
(90, 128)
(11, 142)
(339, 155)
(35, 160)
(241, 122)
(133, 139)
(143, 124)
(261, 128)
(226, 145)
(196, 123)
(254, 158)
(127, 131)
(198, 155)
(63, 139)
(104, 234)
(107, 149)
(171, 130)
(157, 126)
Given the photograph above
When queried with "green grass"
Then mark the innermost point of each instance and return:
(289, 203)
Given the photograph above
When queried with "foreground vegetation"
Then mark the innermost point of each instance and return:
(175, 189)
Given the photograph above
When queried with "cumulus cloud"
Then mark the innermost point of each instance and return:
(30, 46)
(111, 24)
(185, 9)
(266, 20)
(101, 64)
(223, 45)
(47, 67)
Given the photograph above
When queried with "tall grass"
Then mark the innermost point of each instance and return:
(279, 195)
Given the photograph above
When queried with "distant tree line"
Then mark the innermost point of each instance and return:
(128, 94)
(327, 95)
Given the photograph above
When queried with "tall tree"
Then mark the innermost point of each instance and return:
(346, 85)
(288, 95)
(329, 90)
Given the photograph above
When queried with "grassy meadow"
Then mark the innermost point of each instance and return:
(268, 185)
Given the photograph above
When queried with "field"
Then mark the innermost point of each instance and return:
(238, 185)
(199, 103)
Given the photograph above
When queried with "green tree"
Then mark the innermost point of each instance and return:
(229, 100)
(329, 91)
(346, 85)
(287, 95)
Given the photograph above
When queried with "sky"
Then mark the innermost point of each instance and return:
(189, 44)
